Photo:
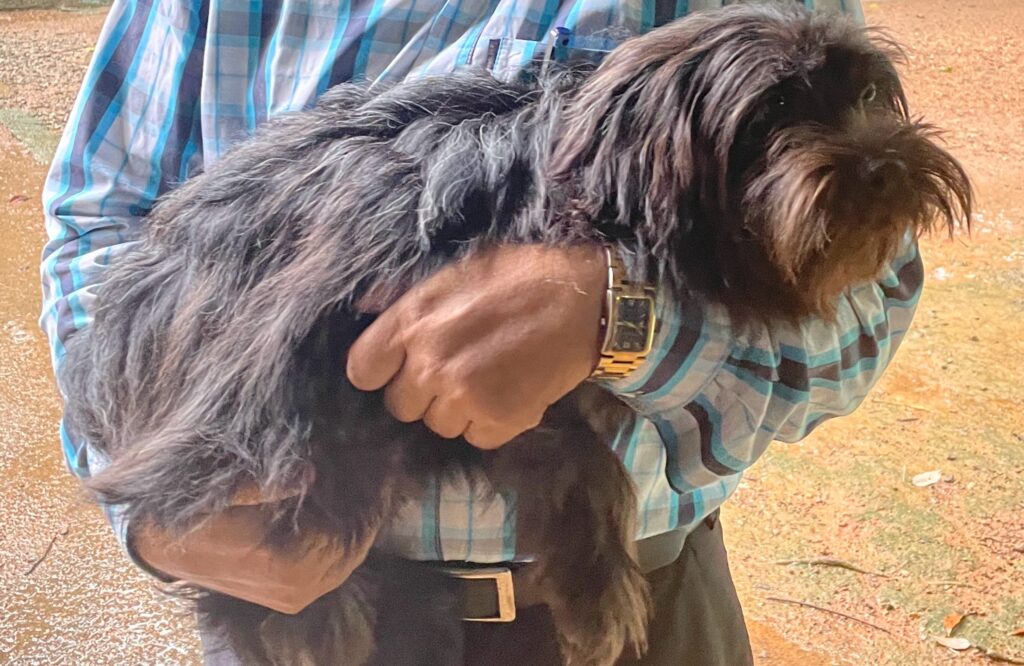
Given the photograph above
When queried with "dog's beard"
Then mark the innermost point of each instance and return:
(758, 174)
(832, 207)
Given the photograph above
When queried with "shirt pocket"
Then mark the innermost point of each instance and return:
(509, 58)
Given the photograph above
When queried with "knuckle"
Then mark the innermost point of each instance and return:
(446, 430)
(485, 441)
(460, 400)
(416, 306)
(532, 422)
(430, 367)
(355, 369)
(482, 410)
(403, 416)
(399, 406)
(437, 426)
(446, 416)
(287, 608)
(295, 602)
(475, 440)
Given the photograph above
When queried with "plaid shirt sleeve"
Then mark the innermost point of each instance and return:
(128, 139)
(715, 398)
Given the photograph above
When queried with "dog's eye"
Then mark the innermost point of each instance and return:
(869, 93)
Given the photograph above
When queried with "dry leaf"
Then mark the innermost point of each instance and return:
(17, 198)
(1019, 632)
(951, 622)
(957, 643)
(925, 479)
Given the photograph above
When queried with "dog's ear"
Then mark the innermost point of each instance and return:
(889, 54)
(649, 136)
(625, 138)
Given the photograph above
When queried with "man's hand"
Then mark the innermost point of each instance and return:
(485, 346)
(226, 555)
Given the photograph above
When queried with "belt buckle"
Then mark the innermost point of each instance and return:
(502, 578)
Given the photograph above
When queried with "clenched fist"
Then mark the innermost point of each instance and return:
(484, 346)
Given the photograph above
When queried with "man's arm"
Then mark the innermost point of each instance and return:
(132, 134)
(122, 146)
(484, 347)
(716, 398)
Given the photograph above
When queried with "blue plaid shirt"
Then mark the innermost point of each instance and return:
(174, 83)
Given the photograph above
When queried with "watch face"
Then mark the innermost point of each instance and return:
(633, 316)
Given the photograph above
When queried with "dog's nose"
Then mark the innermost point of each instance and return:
(884, 175)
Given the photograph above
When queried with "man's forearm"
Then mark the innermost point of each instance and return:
(484, 347)
(727, 394)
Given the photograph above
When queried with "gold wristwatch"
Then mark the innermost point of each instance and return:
(629, 322)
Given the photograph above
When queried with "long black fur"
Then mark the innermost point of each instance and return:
(734, 155)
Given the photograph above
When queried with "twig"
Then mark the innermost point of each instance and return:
(828, 610)
(49, 547)
(898, 568)
(904, 404)
(69, 50)
(833, 562)
(950, 583)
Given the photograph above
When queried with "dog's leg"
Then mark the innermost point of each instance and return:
(576, 511)
(604, 603)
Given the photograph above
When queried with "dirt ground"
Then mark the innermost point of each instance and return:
(951, 402)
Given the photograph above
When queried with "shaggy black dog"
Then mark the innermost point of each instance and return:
(760, 157)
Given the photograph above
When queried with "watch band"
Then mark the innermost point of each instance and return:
(614, 363)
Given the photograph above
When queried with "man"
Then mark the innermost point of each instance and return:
(479, 350)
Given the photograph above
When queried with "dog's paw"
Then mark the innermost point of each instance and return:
(595, 631)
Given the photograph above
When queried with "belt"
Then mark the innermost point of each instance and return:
(491, 593)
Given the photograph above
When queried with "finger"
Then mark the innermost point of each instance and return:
(377, 355)
(406, 397)
(488, 437)
(374, 301)
(251, 493)
(445, 420)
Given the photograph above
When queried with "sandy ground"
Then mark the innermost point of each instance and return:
(81, 604)
(950, 402)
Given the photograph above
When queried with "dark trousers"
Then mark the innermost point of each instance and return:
(697, 619)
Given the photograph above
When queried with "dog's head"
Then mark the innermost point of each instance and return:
(762, 153)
